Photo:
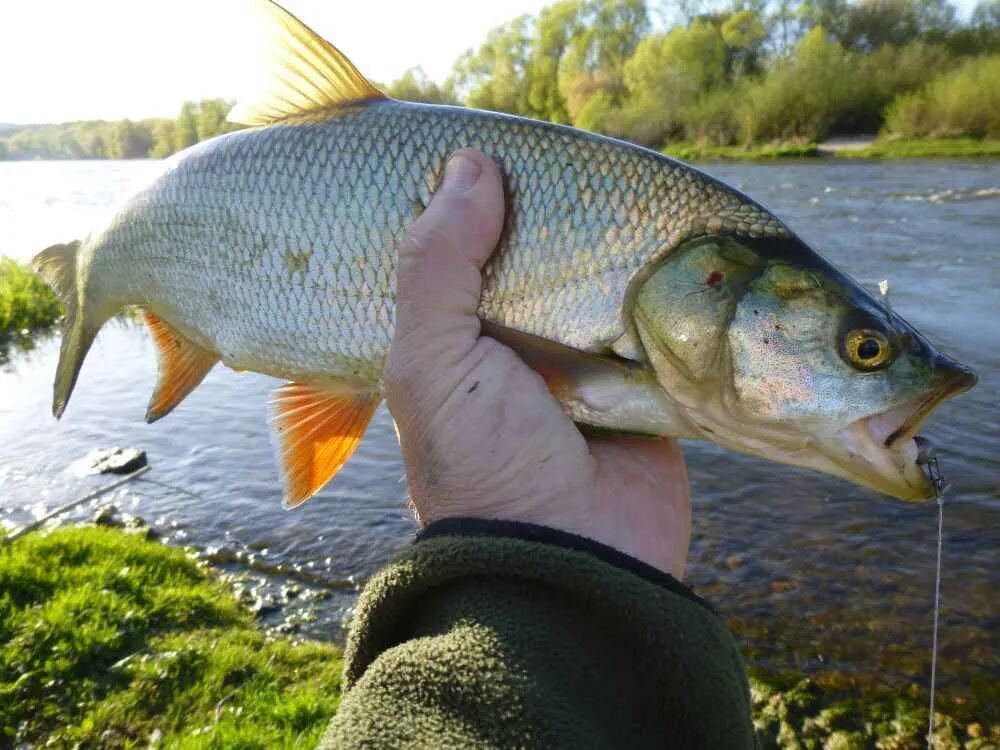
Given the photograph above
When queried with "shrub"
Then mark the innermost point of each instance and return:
(963, 102)
(26, 302)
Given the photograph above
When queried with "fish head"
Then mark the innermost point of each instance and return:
(770, 350)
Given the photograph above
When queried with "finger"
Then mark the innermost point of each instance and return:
(440, 260)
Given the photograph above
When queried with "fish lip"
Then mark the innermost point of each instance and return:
(960, 382)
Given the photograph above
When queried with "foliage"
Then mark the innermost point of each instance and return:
(122, 139)
(965, 101)
(719, 73)
(415, 86)
(106, 639)
(26, 302)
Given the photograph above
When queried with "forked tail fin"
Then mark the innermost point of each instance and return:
(58, 266)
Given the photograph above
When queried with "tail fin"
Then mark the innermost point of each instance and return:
(57, 265)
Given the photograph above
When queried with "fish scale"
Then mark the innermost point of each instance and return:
(309, 215)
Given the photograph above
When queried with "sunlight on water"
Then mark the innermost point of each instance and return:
(815, 573)
(46, 202)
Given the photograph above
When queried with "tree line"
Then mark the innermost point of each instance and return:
(746, 72)
(120, 139)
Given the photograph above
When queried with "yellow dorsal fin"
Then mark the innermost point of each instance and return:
(305, 74)
(183, 365)
(317, 431)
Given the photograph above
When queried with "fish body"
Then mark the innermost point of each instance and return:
(276, 247)
(663, 301)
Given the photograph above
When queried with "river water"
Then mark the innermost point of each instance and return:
(814, 573)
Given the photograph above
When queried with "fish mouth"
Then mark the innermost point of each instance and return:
(893, 452)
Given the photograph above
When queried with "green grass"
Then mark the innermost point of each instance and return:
(696, 152)
(923, 148)
(886, 148)
(26, 302)
(106, 639)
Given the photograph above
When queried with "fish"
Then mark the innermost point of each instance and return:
(653, 299)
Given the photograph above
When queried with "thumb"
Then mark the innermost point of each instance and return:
(440, 260)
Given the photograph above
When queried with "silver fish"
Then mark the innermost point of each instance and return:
(663, 301)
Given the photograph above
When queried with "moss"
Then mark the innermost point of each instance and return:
(26, 302)
(108, 640)
(800, 713)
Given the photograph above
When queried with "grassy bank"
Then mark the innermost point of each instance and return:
(889, 148)
(107, 640)
(924, 148)
(26, 302)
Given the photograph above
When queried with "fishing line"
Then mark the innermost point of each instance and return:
(940, 487)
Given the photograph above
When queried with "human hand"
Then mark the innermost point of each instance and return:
(480, 433)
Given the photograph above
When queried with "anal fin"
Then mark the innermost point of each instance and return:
(183, 365)
(317, 431)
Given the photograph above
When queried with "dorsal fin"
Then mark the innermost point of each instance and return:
(305, 73)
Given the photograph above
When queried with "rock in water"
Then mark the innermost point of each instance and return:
(114, 461)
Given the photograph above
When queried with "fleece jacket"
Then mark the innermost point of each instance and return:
(491, 634)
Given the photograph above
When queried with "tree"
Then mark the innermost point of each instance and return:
(557, 25)
(744, 35)
(873, 23)
(186, 128)
(609, 33)
(986, 15)
(415, 86)
(493, 76)
(211, 119)
(128, 140)
(164, 139)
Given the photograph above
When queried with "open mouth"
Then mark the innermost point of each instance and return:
(895, 448)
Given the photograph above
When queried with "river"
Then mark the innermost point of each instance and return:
(814, 573)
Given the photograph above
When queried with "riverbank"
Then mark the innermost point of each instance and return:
(116, 640)
(923, 148)
(112, 640)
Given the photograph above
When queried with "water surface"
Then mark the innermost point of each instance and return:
(814, 573)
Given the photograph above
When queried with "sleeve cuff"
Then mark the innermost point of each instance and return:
(529, 532)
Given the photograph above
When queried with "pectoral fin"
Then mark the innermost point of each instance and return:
(183, 365)
(317, 431)
(602, 391)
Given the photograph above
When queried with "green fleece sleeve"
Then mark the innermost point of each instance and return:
(491, 634)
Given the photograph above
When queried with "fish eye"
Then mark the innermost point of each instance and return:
(867, 349)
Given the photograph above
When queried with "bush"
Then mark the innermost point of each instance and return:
(26, 302)
(964, 102)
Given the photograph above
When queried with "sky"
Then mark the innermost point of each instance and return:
(110, 59)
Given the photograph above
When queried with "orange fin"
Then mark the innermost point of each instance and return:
(183, 365)
(317, 431)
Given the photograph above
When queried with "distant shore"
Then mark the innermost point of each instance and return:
(854, 147)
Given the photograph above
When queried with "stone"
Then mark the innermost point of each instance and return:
(115, 460)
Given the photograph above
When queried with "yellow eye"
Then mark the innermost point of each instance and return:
(867, 349)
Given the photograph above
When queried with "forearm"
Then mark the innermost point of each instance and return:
(489, 634)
